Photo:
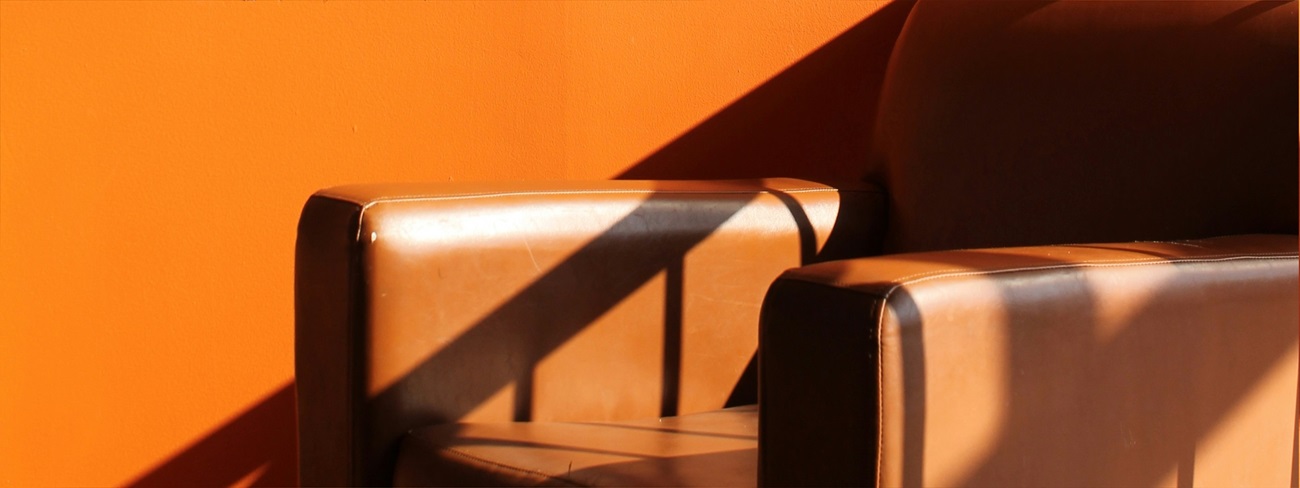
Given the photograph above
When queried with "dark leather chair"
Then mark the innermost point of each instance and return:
(952, 360)
(1073, 263)
(458, 309)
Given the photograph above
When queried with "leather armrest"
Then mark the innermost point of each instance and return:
(425, 304)
(1085, 365)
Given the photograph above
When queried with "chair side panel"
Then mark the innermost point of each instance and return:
(327, 309)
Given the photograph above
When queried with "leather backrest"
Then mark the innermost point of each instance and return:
(1022, 123)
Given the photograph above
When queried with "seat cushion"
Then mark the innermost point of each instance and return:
(718, 448)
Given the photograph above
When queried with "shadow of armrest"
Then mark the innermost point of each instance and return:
(1108, 365)
(425, 304)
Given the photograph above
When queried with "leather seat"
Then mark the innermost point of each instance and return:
(718, 448)
(1073, 262)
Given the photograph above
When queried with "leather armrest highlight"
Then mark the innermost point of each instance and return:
(1089, 365)
(609, 300)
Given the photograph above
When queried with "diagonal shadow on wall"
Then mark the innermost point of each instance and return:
(256, 448)
(811, 121)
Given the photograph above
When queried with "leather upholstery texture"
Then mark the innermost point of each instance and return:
(718, 448)
(535, 333)
(1012, 123)
(1136, 364)
(597, 301)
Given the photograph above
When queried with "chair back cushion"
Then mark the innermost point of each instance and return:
(1018, 123)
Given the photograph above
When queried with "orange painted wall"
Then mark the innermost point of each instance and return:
(154, 157)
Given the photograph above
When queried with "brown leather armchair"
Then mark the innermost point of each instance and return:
(608, 333)
(547, 303)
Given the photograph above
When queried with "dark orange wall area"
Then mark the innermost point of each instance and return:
(154, 157)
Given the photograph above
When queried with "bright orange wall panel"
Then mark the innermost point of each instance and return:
(154, 157)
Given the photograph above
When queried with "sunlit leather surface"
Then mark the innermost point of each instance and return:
(594, 301)
(1138, 364)
(718, 448)
(1000, 124)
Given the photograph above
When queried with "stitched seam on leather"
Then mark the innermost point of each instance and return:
(880, 390)
(913, 278)
(480, 460)
(489, 194)
(1092, 264)
(957, 272)
(361, 217)
(1181, 243)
